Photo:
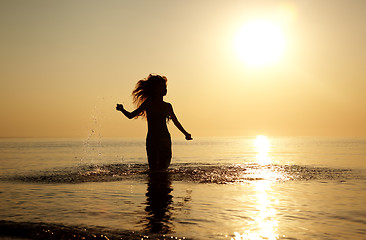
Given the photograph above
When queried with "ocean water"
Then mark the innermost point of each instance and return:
(216, 188)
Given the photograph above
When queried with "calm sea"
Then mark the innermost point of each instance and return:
(216, 188)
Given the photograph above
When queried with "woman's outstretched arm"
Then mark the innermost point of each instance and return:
(133, 114)
(177, 123)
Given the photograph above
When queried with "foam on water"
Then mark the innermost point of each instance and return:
(218, 174)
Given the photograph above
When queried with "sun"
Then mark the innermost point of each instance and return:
(260, 42)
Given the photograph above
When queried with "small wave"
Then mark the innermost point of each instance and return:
(86, 173)
(253, 172)
(188, 172)
(33, 230)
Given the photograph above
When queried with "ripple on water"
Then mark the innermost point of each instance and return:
(197, 173)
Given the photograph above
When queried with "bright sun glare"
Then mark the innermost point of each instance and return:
(262, 144)
(260, 42)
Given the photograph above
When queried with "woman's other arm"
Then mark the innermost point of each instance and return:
(177, 123)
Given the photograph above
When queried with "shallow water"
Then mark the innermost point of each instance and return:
(230, 188)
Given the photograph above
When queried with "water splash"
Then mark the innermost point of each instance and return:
(93, 144)
(225, 174)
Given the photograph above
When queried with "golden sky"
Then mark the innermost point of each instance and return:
(65, 64)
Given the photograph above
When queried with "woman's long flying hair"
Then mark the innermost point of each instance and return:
(145, 89)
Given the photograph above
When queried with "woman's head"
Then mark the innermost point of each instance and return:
(152, 86)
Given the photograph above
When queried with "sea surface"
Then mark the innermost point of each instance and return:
(216, 188)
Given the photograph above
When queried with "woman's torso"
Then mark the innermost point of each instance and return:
(157, 113)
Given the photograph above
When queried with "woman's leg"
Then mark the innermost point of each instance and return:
(152, 155)
(159, 153)
(165, 153)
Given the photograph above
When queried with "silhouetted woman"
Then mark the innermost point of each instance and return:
(148, 96)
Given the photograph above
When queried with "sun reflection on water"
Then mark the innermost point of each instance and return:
(264, 223)
(262, 146)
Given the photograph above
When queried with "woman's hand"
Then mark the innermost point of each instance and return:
(188, 137)
(119, 107)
